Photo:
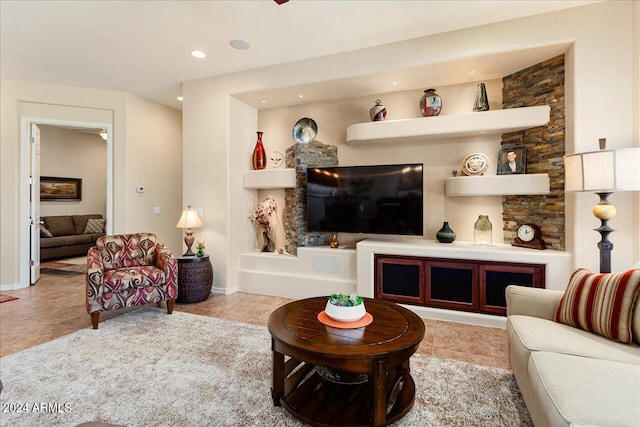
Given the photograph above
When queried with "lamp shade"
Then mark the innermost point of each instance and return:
(603, 171)
(189, 219)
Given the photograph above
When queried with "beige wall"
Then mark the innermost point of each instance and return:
(154, 154)
(71, 154)
(594, 57)
(636, 116)
(129, 117)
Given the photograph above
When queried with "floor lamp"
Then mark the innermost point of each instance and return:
(603, 172)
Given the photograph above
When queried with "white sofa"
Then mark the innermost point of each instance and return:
(567, 376)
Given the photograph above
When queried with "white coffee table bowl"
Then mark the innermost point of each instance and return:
(345, 314)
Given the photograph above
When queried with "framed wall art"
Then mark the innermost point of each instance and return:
(53, 188)
(512, 160)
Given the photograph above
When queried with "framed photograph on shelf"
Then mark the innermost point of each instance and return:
(52, 188)
(512, 160)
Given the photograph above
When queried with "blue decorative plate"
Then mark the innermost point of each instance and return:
(305, 130)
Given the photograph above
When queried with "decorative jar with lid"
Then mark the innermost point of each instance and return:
(378, 112)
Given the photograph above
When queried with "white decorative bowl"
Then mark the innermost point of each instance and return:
(345, 314)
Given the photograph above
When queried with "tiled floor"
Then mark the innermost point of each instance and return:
(55, 306)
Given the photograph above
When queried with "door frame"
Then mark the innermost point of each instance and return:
(25, 155)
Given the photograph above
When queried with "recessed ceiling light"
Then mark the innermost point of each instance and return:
(394, 83)
(472, 72)
(198, 54)
(301, 96)
(264, 101)
(180, 99)
(239, 44)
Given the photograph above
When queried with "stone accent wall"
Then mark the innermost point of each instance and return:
(541, 84)
(300, 157)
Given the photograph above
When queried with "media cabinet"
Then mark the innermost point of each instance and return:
(455, 281)
(476, 286)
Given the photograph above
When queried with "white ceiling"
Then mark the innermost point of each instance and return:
(142, 47)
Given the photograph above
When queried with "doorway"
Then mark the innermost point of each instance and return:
(30, 201)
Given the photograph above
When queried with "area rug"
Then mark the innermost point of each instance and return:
(62, 268)
(6, 298)
(148, 368)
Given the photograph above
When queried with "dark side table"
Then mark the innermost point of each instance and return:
(195, 278)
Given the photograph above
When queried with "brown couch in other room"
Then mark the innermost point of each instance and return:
(69, 235)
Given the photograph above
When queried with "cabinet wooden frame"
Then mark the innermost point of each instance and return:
(432, 301)
(480, 285)
(535, 271)
(381, 261)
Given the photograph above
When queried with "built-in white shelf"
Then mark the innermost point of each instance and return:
(269, 178)
(498, 185)
(426, 129)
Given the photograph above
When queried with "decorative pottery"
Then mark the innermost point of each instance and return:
(259, 159)
(445, 234)
(269, 245)
(378, 112)
(277, 159)
(475, 164)
(482, 231)
(430, 103)
(341, 377)
(345, 314)
(305, 130)
(482, 102)
(265, 215)
(334, 242)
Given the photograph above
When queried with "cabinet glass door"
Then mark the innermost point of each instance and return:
(494, 279)
(452, 285)
(399, 279)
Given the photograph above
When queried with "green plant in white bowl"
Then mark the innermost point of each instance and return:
(345, 308)
(343, 300)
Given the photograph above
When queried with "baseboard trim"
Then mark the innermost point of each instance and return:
(12, 287)
(224, 291)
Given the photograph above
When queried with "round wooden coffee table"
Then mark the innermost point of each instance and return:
(369, 381)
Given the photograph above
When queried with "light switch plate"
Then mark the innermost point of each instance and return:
(156, 210)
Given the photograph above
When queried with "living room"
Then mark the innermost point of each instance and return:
(153, 126)
(197, 157)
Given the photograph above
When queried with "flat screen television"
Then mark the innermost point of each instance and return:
(381, 199)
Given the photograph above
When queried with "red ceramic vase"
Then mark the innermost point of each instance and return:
(259, 160)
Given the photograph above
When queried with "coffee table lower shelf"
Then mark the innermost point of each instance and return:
(320, 402)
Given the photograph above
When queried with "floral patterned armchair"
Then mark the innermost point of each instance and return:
(128, 270)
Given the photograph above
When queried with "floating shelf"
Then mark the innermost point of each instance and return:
(427, 129)
(498, 185)
(269, 178)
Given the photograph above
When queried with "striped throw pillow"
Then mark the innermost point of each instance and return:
(601, 303)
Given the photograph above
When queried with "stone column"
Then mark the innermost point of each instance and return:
(300, 157)
(541, 84)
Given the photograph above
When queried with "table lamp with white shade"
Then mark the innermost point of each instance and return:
(189, 219)
(603, 172)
